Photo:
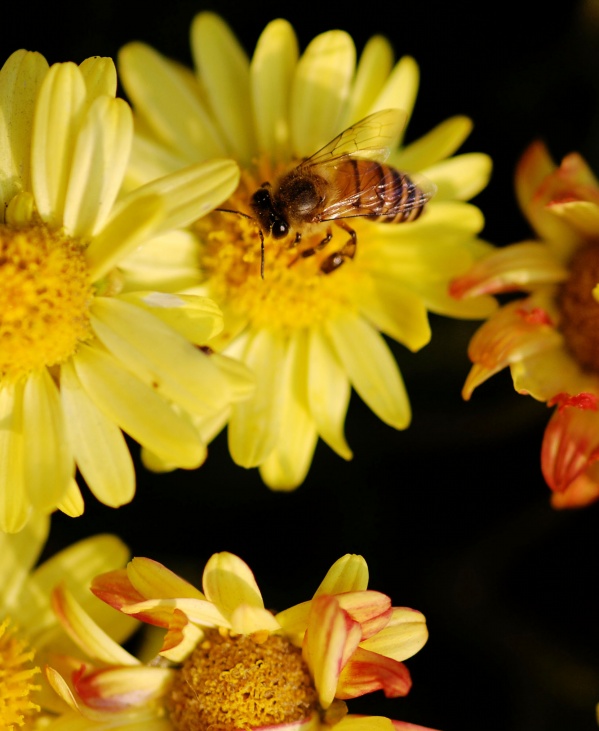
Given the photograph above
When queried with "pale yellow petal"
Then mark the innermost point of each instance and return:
(371, 368)
(247, 620)
(15, 505)
(159, 356)
(192, 192)
(328, 392)
(436, 145)
(168, 104)
(60, 105)
(374, 66)
(153, 580)
(20, 553)
(320, 91)
(88, 636)
(224, 70)
(583, 216)
(48, 459)
(98, 444)
(99, 74)
(401, 88)
(138, 409)
(460, 177)
(99, 163)
(368, 723)
(396, 311)
(167, 263)
(149, 160)
(548, 373)
(287, 465)
(197, 319)
(254, 426)
(131, 223)
(72, 503)
(229, 582)
(271, 73)
(20, 80)
(348, 573)
(404, 636)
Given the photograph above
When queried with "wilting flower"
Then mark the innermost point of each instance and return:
(29, 631)
(310, 329)
(550, 338)
(242, 666)
(83, 353)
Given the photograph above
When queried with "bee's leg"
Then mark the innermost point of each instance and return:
(347, 251)
(261, 253)
(313, 249)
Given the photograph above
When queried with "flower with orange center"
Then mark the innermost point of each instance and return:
(239, 665)
(549, 338)
(30, 634)
(310, 327)
(84, 353)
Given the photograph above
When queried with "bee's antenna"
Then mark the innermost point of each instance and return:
(245, 215)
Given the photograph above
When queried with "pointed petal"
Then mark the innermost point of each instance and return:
(60, 105)
(20, 80)
(137, 408)
(98, 444)
(254, 425)
(72, 503)
(367, 672)
(49, 465)
(371, 369)
(288, 464)
(271, 72)
(169, 105)
(348, 573)
(401, 88)
(328, 392)
(438, 144)
(320, 91)
(224, 71)
(99, 161)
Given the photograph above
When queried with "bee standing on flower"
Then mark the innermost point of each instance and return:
(344, 179)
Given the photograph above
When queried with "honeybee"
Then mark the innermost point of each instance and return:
(347, 178)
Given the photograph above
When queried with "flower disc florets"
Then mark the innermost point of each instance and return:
(232, 682)
(16, 678)
(45, 293)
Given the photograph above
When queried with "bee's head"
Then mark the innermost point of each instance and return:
(270, 219)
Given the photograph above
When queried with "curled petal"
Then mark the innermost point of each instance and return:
(153, 580)
(117, 689)
(370, 608)
(331, 639)
(570, 449)
(367, 671)
(404, 635)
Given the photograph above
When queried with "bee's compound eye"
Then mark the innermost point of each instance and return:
(279, 229)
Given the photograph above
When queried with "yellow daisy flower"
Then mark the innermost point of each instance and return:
(310, 328)
(549, 338)
(239, 665)
(83, 353)
(30, 634)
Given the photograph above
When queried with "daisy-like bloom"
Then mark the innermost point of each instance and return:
(239, 665)
(549, 338)
(309, 329)
(29, 631)
(83, 353)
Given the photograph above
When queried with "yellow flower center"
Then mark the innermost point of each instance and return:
(234, 682)
(295, 292)
(45, 295)
(16, 673)
(579, 322)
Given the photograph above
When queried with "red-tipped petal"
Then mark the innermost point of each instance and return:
(366, 672)
(370, 608)
(118, 689)
(331, 638)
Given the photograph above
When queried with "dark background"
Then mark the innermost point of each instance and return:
(452, 515)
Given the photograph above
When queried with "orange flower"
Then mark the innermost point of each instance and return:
(550, 338)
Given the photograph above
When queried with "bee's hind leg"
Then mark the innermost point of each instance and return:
(347, 251)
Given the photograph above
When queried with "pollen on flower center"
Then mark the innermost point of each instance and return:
(45, 295)
(16, 679)
(579, 310)
(294, 292)
(233, 682)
